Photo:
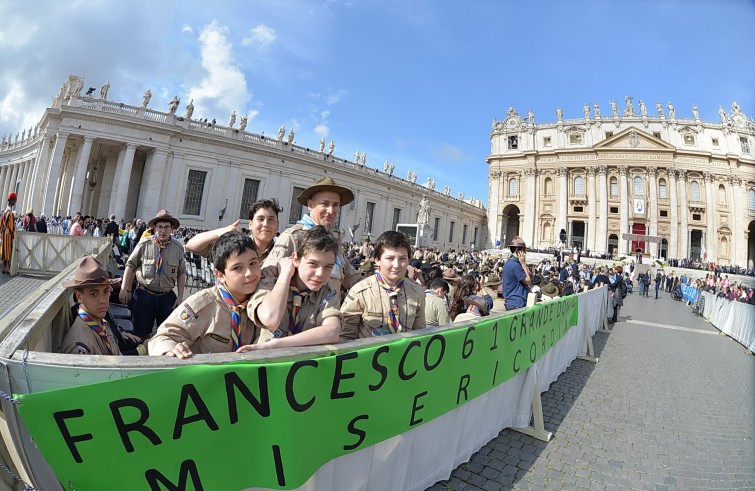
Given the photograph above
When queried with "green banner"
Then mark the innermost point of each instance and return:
(234, 426)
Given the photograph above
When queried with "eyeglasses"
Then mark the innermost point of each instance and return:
(163, 227)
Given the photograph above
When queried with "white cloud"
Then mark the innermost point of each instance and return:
(223, 87)
(449, 154)
(188, 29)
(261, 35)
(336, 96)
(322, 130)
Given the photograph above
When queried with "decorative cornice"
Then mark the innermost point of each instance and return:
(651, 171)
(591, 171)
(602, 170)
(623, 170)
(562, 172)
(530, 171)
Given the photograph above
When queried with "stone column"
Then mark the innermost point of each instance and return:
(683, 214)
(79, 176)
(494, 207)
(530, 214)
(7, 176)
(623, 210)
(3, 183)
(591, 197)
(34, 193)
(51, 185)
(121, 182)
(653, 209)
(563, 199)
(710, 218)
(14, 178)
(23, 174)
(673, 243)
(740, 233)
(601, 241)
(732, 197)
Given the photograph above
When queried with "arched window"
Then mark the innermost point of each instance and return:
(751, 199)
(694, 191)
(662, 188)
(579, 185)
(639, 186)
(548, 185)
(721, 194)
(614, 186)
(547, 232)
(724, 247)
(513, 186)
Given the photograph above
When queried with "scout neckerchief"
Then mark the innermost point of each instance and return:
(235, 316)
(293, 319)
(160, 249)
(96, 327)
(393, 292)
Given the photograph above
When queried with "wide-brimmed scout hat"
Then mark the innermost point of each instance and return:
(492, 280)
(517, 242)
(90, 272)
(479, 302)
(450, 275)
(326, 184)
(164, 216)
(549, 289)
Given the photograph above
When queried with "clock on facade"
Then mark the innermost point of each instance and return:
(639, 206)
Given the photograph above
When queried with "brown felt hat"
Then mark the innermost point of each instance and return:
(164, 216)
(479, 302)
(549, 289)
(326, 184)
(492, 280)
(90, 272)
(450, 275)
(517, 242)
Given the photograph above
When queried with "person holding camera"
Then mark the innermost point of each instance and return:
(516, 275)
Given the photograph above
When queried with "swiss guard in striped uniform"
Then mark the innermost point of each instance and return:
(8, 232)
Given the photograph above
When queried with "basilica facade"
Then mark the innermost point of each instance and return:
(103, 157)
(627, 182)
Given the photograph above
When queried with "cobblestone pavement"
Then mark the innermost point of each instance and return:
(14, 289)
(663, 409)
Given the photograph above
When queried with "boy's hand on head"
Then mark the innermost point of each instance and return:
(269, 272)
(286, 268)
(234, 227)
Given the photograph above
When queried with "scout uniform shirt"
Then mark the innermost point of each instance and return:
(499, 305)
(436, 310)
(204, 322)
(83, 340)
(367, 308)
(315, 308)
(144, 259)
(285, 246)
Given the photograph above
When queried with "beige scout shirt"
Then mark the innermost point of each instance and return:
(499, 305)
(143, 261)
(436, 310)
(82, 340)
(315, 308)
(366, 308)
(204, 321)
(343, 275)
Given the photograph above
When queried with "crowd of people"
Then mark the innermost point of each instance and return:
(305, 286)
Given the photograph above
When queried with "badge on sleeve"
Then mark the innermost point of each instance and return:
(186, 313)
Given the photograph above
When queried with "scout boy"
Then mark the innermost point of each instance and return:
(214, 320)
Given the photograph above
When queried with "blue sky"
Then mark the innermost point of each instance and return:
(416, 82)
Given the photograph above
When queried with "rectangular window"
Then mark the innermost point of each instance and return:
(579, 209)
(547, 141)
(396, 217)
(614, 209)
(689, 139)
(714, 141)
(368, 217)
(248, 197)
(194, 192)
(451, 232)
(745, 143)
(513, 142)
(664, 213)
(696, 216)
(657, 134)
(609, 134)
(474, 237)
(464, 234)
(575, 138)
(436, 230)
(297, 209)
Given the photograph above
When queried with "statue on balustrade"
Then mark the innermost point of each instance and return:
(671, 111)
(291, 135)
(385, 166)
(322, 144)
(722, 113)
(189, 109)
(559, 114)
(390, 169)
(659, 107)
(614, 108)
(232, 119)
(530, 117)
(147, 98)
(586, 110)
(364, 158)
(104, 90)
(643, 108)
(597, 110)
(173, 105)
(243, 122)
(331, 147)
(695, 113)
(281, 133)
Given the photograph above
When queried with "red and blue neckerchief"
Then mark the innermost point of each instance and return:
(96, 327)
(234, 306)
(393, 293)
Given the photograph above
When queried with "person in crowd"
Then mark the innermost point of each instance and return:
(436, 307)
(549, 292)
(41, 225)
(324, 199)
(628, 283)
(77, 227)
(516, 275)
(158, 266)
(111, 229)
(450, 275)
(8, 232)
(467, 286)
(263, 225)
(90, 334)
(490, 288)
(299, 307)
(215, 320)
(474, 309)
(658, 281)
(618, 289)
(385, 303)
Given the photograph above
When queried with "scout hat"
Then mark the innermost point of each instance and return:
(492, 280)
(550, 290)
(450, 275)
(163, 216)
(90, 272)
(326, 184)
(517, 242)
(479, 302)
